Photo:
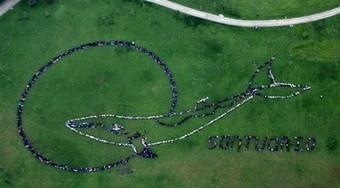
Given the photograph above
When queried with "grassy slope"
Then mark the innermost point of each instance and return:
(261, 9)
(207, 60)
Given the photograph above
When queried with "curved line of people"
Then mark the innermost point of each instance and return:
(20, 108)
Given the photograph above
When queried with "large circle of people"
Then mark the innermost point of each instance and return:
(146, 153)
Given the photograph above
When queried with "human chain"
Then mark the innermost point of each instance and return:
(55, 60)
(202, 108)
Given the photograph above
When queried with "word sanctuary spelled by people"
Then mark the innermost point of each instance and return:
(272, 144)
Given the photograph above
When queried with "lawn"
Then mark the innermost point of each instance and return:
(206, 59)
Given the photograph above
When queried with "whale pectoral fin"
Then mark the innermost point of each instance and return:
(147, 153)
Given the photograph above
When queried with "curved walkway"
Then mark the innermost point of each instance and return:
(245, 23)
(7, 5)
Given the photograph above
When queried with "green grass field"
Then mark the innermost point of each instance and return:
(206, 59)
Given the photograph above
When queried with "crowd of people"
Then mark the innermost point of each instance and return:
(201, 109)
(204, 107)
(116, 129)
(272, 144)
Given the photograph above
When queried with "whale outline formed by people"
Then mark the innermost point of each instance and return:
(236, 101)
(244, 97)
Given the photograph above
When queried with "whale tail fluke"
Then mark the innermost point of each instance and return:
(269, 87)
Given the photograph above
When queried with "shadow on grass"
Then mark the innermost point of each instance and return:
(331, 144)
(190, 21)
(227, 11)
(5, 178)
(137, 2)
(212, 48)
(327, 71)
(124, 170)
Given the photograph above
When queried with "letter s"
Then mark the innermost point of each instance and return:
(212, 142)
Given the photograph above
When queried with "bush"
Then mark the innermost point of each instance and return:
(331, 144)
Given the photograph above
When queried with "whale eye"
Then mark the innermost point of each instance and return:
(116, 129)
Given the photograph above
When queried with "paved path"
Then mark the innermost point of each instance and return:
(246, 23)
(7, 5)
